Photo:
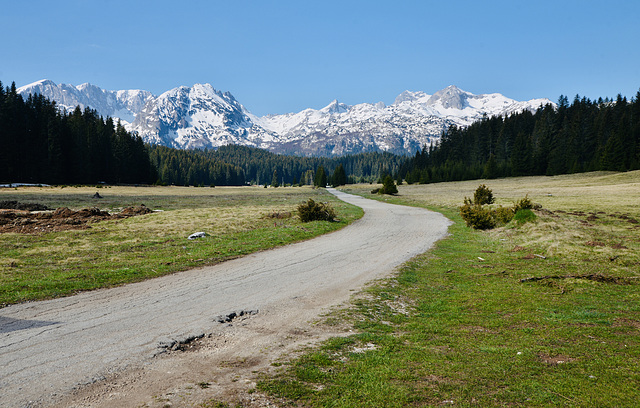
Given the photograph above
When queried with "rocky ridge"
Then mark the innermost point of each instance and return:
(203, 117)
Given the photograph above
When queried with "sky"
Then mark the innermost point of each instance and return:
(285, 56)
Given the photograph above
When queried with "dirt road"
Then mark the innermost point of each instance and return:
(105, 348)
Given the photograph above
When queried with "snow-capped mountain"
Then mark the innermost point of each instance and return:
(413, 120)
(123, 105)
(201, 117)
(198, 117)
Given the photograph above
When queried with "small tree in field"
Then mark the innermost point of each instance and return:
(313, 211)
(388, 186)
(483, 195)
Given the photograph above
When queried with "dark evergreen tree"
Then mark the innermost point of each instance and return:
(321, 177)
(339, 177)
(490, 170)
(388, 186)
(521, 157)
(40, 144)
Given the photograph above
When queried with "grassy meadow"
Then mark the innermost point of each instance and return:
(542, 314)
(238, 221)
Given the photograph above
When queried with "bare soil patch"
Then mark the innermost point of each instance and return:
(29, 218)
(555, 360)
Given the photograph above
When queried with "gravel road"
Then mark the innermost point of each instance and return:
(50, 349)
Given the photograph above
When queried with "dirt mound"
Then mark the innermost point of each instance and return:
(15, 205)
(139, 210)
(62, 212)
(92, 212)
(63, 218)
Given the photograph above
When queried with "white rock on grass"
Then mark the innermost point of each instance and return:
(197, 235)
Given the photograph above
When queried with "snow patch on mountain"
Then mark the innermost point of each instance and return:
(203, 117)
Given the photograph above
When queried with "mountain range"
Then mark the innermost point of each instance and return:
(203, 117)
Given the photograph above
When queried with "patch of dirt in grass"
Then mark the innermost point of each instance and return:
(627, 322)
(555, 360)
(279, 215)
(478, 329)
(62, 219)
(597, 277)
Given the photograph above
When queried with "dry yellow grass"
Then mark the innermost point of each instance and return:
(589, 216)
(598, 191)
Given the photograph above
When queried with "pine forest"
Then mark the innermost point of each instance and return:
(41, 144)
(570, 138)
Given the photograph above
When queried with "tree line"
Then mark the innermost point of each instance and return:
(568, 138)
(193, 168)
(237, 165)
(41, 144)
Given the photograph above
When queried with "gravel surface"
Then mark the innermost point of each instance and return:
(121, 346)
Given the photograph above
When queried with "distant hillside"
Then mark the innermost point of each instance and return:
(570, 138)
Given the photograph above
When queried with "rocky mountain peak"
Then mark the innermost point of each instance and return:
(408, 96)
(335, 107)
(202, 117)
(450, 97)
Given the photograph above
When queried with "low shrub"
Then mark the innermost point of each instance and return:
(482, 217)
(313, 211)
(504, 214)
(523, 204)
(477, 216)
(483, 195)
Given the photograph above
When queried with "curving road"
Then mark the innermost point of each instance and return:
(49, 348)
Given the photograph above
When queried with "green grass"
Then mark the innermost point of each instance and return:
(458, 326)
(115, 252)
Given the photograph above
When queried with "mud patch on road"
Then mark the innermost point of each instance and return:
(230, 317)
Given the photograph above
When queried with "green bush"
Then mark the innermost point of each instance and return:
(524, 215)
(483, 195)
(388, 186)
(477, 216)
(504, 214)
(523, 204)
(313, 211)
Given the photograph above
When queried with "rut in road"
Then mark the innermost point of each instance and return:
(50, 348)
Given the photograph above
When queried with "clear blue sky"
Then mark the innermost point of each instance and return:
(284, 56)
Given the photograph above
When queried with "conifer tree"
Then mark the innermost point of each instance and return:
(321, 177)
(339, 177)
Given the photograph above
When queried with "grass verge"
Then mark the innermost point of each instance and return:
(542, 314)
(238, 221)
